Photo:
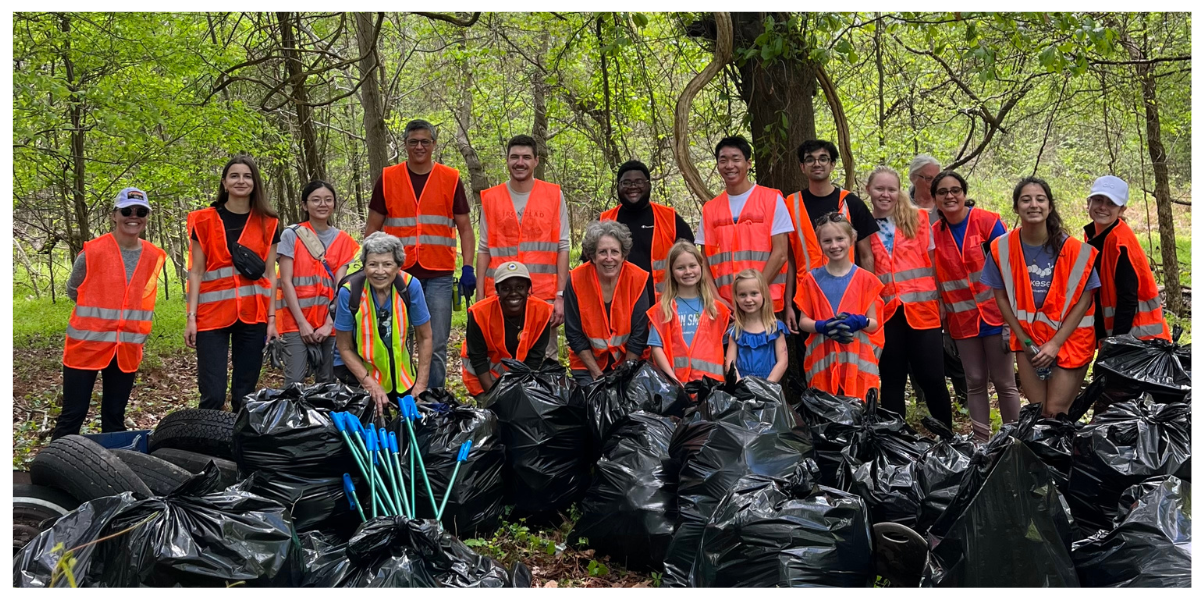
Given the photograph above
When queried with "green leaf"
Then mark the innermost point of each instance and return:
(640, 19)
(597, 569)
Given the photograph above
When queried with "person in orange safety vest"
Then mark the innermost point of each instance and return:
(689, 321)
(510, 324)
(1128, 296)
(114, 283)
(231, 284)
(1043, 278)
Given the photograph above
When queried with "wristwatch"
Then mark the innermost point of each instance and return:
(559, 294)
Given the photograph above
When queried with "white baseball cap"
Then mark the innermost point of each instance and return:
(1112, 187)
(131, 196)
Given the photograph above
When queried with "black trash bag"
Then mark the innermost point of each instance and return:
(628, 512)
(880, 464)
(1150, 543)
(288, 437)
(396, 551)
(1050, 439)
(1007, 527)
(774, 532)
(631, 387)
(1132, 367)
(832, 420)
(737, 430)
(1123, 446)
(544, 429)
(477, 499)
(940, 471)
(197, 536)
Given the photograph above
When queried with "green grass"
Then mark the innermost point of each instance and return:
(1183, 250)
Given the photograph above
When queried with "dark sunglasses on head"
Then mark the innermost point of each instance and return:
(129, 211)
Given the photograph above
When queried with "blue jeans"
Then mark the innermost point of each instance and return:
(439, 297)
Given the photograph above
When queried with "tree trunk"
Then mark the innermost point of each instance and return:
(372, 101)
(1162, 184)
(75, 112)
(314, 165)
(541, 123)
(773, 92)
(462, 118)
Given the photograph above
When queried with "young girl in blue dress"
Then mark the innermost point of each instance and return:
(756, 345)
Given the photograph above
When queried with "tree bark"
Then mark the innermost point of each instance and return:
(75, 113)
(541, 123)
(722, 54)
(462, 118)
(1162, 183)
(374, 125)
(314, 164)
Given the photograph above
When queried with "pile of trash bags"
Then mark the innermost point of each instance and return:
(288, 438)
(940, 471)
(786, 532)
(628, 513)
(197, 536)
(544, 429)
(1130, 442)
(395, 551)
(1126, 368)
(737, 430)
(832, 421)
(880, 465)
(629, 388)
(477, 498)
(1149, 542)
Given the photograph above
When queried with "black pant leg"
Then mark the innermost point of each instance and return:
(953, 368)
(116, 386)
(893, 363)
(212, 366)
(248, 342)
(77, 395)
(930, 372)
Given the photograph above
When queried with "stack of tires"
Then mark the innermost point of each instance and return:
(74, 469)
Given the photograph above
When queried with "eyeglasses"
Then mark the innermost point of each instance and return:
(321, 201)
(823, 159)
(417, 143)
(630, 183)
(129, 211)
(954, 191)
(925, 177)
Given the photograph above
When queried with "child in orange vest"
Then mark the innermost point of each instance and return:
(843, 356)
(756, 343)
(689, 320)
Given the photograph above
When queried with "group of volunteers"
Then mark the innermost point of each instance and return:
(815, 285)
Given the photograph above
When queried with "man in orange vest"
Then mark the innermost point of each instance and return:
(422, 202)
(745, 227)
(654, 227)
(114, 283)
(525, 220)
(1128, 296)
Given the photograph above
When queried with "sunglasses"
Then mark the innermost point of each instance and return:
(129, 211)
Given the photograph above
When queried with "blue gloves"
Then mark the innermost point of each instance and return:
(855, 322)
(466, 282)
(823, 326)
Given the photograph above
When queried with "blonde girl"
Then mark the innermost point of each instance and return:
(687, 324)
(757, 346)
(841, 304)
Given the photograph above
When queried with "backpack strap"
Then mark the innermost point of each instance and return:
(358, 279)
(316, 248)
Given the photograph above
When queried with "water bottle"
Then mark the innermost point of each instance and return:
(457, 298)
(1043, 373)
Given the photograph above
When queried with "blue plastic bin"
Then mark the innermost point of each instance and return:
(123, 440)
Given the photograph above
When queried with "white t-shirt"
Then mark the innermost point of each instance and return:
(781, 224)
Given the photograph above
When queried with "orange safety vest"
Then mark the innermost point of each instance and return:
(531, 240)
(1148, 321)
(608, 334)
(315, 288)
(849, 369)
(959, 275)
(907, 276)
(426, 225)
(664, 238)
(730, 247)
(490, 319)
(225, 295)
(805, 248)
(1071, 270)
(110, 315)
(706, 356)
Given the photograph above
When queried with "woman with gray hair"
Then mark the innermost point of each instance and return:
(921, 172)
(375, 308)
(605, 304)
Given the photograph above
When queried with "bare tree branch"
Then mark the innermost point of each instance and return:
(451, 19)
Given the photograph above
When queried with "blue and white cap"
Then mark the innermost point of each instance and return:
(131, 196)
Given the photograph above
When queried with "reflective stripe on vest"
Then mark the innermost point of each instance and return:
(424, 225)
(532, 239)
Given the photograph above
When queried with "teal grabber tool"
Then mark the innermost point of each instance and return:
(463, 451)
(407, 403)
(386, 505)
(348, 486)
(394, 458)
(339, 421)
(381, 457)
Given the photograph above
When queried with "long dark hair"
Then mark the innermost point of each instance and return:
(258, 196)
(313, 186)
(1054, 224)
(933, 185)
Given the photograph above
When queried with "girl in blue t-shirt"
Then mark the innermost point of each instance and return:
(756, 344)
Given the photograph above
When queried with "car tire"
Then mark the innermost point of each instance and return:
(83, 469)
(196, 430)
(159, 475)
(194, 463)
(35, 509)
